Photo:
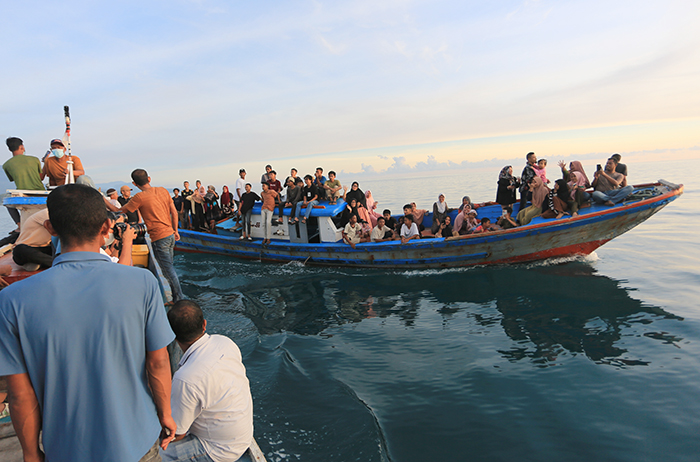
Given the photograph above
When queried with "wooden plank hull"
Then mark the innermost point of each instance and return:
(553, 238)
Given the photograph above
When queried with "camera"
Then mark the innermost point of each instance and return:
(119, 229)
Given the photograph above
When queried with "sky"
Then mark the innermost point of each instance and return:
(199, 89)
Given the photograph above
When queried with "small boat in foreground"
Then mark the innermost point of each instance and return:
(319, 241)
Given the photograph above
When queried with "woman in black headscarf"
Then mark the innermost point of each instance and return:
(556, 202)
(507, 186)
(355, 193)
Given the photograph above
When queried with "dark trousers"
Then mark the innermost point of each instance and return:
(525, 196)
(14, 213)
(198, 220)
(22, 254)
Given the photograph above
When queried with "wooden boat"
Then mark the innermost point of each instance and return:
(29, 202)
(319, 241)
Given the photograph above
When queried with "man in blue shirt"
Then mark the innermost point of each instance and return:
(86, 365)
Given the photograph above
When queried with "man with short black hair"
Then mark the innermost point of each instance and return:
(409, 230)
(620, 168)
(87, 368)
(526, 177)
(211, 401)
(159, 214)
(23, 170)
(381, 232)
(332, 187)
(607, 185)
(319, 182)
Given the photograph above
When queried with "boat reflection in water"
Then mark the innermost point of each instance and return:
(545, 309)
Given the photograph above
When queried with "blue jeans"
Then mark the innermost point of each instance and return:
(614, 195)
(163, 250)
(309, 208)
(190, 448)
(153, 454)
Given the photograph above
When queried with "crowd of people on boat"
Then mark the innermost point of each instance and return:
(361, 221)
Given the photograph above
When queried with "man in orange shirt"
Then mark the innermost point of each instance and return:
(160, 216)
(56, 163)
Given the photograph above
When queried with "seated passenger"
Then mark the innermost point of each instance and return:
(445, 228)
(506, 221)
(607, 185)
(390, 221)
(484, 226)
(440, 211)
(418, 215)
(354, 193)
(555, 204)
(309, 198)
(56, 165)
(33, 246)
(409, 230)
(294, 193)
(349, 210)
(539, 192)
(332, 187)
(113, 197)
(211, 401)
(372, 207)
(577, 184)
(381, 232)
(320, 182)
(352, 233)
(466, 202)
(621, 168)
(465, 222)
(276, 186)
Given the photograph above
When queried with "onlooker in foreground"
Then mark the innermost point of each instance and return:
(211, 401)
(381, 232)
(33, 246)
(607, 185)
(409, 230)
(268, 208)
(88, 369)
(246, 210)
(23, 170)
(160, 216)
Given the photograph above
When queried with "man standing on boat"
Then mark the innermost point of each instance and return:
(87, 367)
(211, 401)
(159, 214)
(525, 178)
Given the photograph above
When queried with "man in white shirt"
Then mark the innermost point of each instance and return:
(409, 230)
(352, 234)
(381, 232)
(211, 399)
(238, 192)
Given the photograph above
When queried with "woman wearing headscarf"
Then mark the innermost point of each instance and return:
(507, 187)
(355, 193)
(212, 212)
(577, 182)
(539, 194)
(227, 202)
(372, 207)
(556, 202)
(466, 201)
(440, 211)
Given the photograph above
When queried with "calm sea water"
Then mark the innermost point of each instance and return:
(596, 358)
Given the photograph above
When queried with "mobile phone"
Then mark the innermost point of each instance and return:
(598, 167)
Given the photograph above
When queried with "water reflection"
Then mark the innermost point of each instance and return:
(545, 310)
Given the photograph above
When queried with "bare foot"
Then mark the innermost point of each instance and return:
(610, 203)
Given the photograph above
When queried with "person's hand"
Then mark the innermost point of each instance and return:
(345, 188)
(129, 234)
(177, 236)
(167, 433)
(561, 164)
(3, 283)
(352, 245)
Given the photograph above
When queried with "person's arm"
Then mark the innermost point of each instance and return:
(612, 179)
(127, 244)
(78, 168)
(26, 415)
(158, 372)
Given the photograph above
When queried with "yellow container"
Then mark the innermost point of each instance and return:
(139, 255)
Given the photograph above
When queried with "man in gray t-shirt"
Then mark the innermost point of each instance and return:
(607, 184)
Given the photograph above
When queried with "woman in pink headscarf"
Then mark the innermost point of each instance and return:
(372, 207)
(577, 181)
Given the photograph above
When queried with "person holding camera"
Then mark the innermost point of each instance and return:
(159, 214)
